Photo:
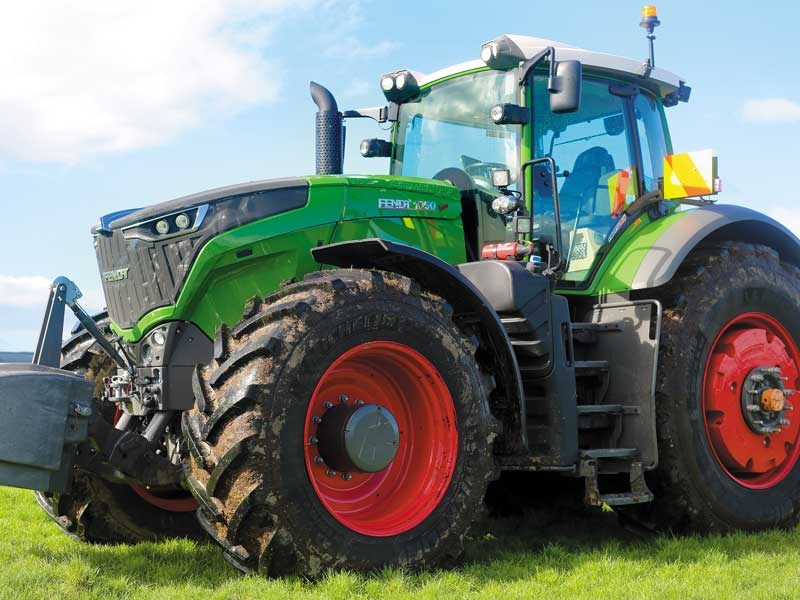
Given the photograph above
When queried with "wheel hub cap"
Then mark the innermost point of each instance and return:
(361, 438)
(764, 401)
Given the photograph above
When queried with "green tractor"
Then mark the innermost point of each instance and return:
(329, 371)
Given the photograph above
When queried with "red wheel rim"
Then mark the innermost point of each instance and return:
(749, 342)
(176, 502)
(401, 496)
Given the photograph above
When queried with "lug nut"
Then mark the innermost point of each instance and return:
(347, 476)
(330, 473)
(317, 420)
(785, 422)
(359, 402)
(312, 440)
(319, 460)
(753, 408)
(757, 378)
(343, 398)
(328, 405)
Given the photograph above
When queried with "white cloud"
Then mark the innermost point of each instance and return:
(344, 37)
(91, 77)
(24, 291)
(771, 110)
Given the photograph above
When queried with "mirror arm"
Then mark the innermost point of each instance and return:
(379, 114)
(531, 63)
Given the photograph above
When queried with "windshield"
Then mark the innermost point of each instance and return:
(449, 127)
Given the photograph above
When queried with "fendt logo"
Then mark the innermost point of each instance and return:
(402, 204)
(118, 275)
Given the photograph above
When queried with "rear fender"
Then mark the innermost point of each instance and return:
(720, 222)
(468, 302)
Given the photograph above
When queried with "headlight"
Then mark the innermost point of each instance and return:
(162, 227)
(505, 205)
(399, 86)
(182, 221)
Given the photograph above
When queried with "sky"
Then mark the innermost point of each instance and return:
(113, 105)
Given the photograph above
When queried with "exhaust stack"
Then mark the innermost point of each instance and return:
(330, 132)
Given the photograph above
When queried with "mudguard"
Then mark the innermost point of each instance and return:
(437, 276)
(720, 222)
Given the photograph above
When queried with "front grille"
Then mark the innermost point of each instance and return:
(153, 273)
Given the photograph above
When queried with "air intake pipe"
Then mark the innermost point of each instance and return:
(330, 132)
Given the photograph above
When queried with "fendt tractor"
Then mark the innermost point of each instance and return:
(330, 371)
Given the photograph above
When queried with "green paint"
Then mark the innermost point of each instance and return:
(220, 282)
(618, 268)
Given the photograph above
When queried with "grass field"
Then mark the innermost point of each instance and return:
(550, 556)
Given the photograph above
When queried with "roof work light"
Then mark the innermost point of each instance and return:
(399, 86)
(501, 53)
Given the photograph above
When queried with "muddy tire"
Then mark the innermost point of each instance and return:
(731, 310)
(98, 511)
(278, 493)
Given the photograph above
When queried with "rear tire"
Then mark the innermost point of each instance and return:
(98, 511)
(731, 308)
(340, 336)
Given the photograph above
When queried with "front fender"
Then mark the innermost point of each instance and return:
(719, 222)
(435, 275)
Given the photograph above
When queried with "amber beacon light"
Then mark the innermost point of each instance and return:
(649, 22)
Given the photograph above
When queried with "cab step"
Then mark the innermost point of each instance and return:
(612, 453)
(639, 492)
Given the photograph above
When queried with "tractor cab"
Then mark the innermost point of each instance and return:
(606, 148)
(552, 146)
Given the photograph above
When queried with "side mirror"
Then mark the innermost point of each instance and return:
(374, 147)
(566, 95)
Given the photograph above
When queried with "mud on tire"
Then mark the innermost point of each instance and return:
(248, 447)
(693, 489)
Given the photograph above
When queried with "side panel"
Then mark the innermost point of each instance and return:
(444, 239)
(619, 267)
(254, 259)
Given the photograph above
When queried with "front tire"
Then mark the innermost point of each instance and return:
(276, 488)
(731, 318)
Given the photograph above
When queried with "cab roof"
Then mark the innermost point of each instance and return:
(660, 81)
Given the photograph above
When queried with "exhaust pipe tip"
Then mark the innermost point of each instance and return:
(323, 98)
(330, 131)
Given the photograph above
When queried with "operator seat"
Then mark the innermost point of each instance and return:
(580, 188)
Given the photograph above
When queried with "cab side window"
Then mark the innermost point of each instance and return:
(651, 138)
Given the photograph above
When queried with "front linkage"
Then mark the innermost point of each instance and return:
(54, 425)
